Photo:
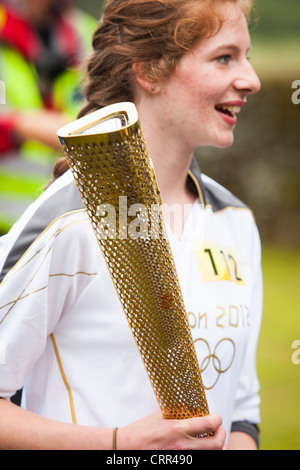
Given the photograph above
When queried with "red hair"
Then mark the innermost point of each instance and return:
(154, 33)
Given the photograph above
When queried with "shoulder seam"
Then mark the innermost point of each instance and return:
(62, 202)
(38, 237)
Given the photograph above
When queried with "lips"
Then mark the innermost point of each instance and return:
(229, 110)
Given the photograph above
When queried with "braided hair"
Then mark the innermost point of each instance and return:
(152, 33)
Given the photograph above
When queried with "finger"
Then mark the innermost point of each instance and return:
(196, 427)
(215, 442)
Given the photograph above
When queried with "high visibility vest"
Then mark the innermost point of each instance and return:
(24, 176)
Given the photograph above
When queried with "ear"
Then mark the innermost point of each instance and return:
(143, 80)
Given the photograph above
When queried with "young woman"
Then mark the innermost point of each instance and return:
(63, 335)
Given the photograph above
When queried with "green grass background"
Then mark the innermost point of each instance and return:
(279, 377)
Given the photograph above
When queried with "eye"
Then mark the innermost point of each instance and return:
(224, 59)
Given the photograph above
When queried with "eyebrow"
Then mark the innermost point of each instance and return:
(232, 47)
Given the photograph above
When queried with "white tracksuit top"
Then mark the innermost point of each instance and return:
(64, 337)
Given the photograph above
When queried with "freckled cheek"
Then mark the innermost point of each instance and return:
(201, 92)
(193, 97)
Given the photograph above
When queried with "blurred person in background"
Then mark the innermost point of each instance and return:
(42, 46)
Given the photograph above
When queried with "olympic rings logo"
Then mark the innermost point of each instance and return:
(221, 359)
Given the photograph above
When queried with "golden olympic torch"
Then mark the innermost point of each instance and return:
(108, 158)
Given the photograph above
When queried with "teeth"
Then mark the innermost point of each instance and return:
(231, 109)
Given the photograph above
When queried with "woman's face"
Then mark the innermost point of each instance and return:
(199, 102)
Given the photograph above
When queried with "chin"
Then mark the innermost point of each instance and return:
(225, 142)
(217, 141)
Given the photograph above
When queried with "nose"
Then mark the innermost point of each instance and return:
(247, 81)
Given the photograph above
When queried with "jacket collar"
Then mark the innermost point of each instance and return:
(195, 181)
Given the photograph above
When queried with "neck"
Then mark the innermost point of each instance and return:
(171, 161)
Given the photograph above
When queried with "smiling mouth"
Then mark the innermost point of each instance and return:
(228, 110)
